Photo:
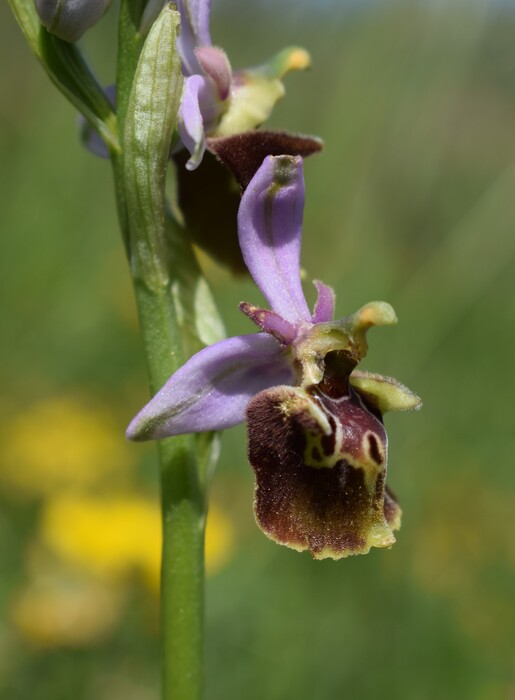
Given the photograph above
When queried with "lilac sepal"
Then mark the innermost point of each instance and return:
(270, 232)
(194, 31)
(324, 307)
(191, 122)
(212, 390)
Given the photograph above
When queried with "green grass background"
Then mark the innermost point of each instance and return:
(412, 201)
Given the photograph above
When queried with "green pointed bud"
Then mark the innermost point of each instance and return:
(69, 19)
(150, 123)
(255, 92)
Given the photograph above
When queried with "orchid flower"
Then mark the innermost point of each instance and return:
(317, 442)
(219, 113)
(218, 101)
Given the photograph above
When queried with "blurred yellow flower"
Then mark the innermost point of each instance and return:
(64, 442)
(90, 547)
(109, 537)
(62, 610)
(60, 450)
(113, 537)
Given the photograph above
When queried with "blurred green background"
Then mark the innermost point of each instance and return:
(413, 202)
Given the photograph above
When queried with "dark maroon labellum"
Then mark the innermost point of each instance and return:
(320, 465)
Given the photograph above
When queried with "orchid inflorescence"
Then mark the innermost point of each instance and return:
(193, 169)
(316, 437)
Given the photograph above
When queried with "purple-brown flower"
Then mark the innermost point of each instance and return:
(317, 442)
(218, 101)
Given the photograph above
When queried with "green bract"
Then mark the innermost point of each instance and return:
(151, 117)
(159, 255)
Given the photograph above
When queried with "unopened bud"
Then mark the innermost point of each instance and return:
(69, 19)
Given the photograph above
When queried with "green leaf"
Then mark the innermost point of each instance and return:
(69, 71)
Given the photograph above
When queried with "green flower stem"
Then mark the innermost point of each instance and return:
(149, 87)
(183, 504)
(182, 580)
(183, 501)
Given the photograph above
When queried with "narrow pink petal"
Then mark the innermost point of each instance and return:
(270, 322)
(324, 307)
(215, 63)
(270, 232)
(212, 390)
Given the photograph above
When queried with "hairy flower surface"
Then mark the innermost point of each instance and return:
(317, 442)
(218, 101)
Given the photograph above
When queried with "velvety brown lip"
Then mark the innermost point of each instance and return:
(332, 512)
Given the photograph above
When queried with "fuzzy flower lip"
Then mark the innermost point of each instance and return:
(218, 101)
(213, 389)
